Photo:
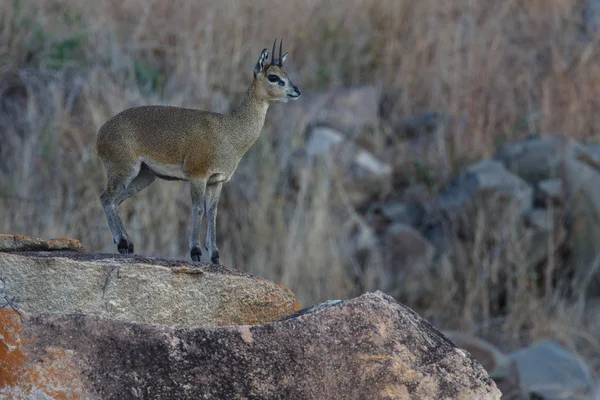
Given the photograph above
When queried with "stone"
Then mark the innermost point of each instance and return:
(548, 370)
(142, 289)
(361, 173)
(370, 347)
(591, 17)
(487, 176)
(323, 140)
(409, 257)
(550, 191)
(542, 235)
(14, 243)
(407, 213)
(540, 219)
(501, 368)
(582, 185)
(485, 189)
(538, 158)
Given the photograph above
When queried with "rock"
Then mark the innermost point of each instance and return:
(550, 191)
(487, 176)
(538, 158)
(323, 140)
(370, 347)
(596, 391)
(540, 219)
(361, 173)
(582, 185)
(406, 213)
(591, 17)
(484, 189)
(543, 235)
(548, 370)
(140, 289)
(501, 368)
(12, 243)
(409, 257)
(492, 175)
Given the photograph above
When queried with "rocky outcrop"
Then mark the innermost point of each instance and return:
(14, 243)
(114, 327)
(145, 290)
(370, 347)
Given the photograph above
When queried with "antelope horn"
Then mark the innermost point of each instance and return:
(280, 53)
(273, 59)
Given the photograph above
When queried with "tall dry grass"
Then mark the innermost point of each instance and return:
(506, 68)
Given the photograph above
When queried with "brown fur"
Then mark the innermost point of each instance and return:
(142, 143)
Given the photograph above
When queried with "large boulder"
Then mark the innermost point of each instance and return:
(98, 326)
(370, 347)
(141, 289)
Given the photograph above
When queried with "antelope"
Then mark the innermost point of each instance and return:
(203, 148)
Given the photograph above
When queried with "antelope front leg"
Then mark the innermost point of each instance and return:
(197, 190)
(213, 192)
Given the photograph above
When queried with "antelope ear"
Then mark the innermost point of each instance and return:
(283, 58)
(260, 64)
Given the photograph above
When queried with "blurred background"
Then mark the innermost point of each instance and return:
(443, 151)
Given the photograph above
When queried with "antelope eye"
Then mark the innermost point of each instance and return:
(273, 78)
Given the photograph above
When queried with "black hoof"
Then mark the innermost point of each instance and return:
(125, 246)
(215, 257)
(196, 253)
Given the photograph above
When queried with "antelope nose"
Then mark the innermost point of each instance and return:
(297, 90)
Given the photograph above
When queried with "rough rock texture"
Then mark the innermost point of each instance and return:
(367, 348)
(10, 243)
(500, 367)
(139, 289)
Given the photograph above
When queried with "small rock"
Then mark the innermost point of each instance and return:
(409, 256)
(550, 190)
(486, 176)
(323, 140)
(550, 371)
(538, 158)
(582, 185)
(591, 17)
(361, 173)
(540, 219)
(366, 162)
(14, 243)
(407, 213)
(542, 236)
(492, 175)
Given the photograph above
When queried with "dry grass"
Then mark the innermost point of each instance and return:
(507, 68)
